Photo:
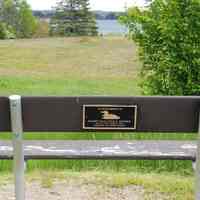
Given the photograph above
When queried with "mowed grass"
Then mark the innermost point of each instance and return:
(69, 66)
(78, 66)
(70, 58)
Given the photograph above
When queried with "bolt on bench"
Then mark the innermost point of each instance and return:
(75, 114)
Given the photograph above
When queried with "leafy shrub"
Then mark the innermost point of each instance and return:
(2, 31)
(6, 32)
(16, 19)
(168, 35)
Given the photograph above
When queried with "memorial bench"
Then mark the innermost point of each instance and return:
(83, 114)
(55, 114)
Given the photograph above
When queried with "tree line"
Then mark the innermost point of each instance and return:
(70, 18)
(99, 15)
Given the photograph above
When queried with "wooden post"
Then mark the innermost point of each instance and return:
(198, 166)
(18, 150)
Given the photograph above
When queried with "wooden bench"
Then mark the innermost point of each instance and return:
(83, 114)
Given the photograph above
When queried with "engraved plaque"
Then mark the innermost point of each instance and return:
(109, 117)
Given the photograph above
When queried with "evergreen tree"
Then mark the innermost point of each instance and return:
(73, 18)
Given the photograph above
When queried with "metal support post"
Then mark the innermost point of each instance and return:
(198, 166)
(18, 150)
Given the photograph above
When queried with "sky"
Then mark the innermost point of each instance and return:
(106, 5)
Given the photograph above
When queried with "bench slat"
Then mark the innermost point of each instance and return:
(105, 150)
(155, 114)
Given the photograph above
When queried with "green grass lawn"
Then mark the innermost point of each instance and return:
(78, 66)
(69, 66)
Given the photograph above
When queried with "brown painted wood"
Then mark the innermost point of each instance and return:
(104, 150)
(155, 114)
(4, 114)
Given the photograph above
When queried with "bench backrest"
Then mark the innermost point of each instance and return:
(154, 114)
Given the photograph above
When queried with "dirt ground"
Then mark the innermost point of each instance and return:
(75, 190)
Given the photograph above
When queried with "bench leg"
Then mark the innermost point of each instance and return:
(18, 152)
(198, 166)
(25, 165)
(194, 165)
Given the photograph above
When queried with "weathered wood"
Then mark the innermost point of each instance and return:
(126, 150)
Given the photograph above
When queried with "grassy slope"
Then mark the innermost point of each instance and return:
(77, 66)
(72, 66)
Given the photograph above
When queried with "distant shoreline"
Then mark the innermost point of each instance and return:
(105, 27)
(99, 15)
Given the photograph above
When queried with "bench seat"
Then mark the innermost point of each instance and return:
(105, 150)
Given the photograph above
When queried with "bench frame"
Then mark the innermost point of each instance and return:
(19, 166)
(18, 149)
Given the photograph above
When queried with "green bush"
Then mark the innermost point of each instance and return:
(16, 19)
(6, 32)
(168, 36)
(2, 31)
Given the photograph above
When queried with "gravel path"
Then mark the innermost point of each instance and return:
(75, 190)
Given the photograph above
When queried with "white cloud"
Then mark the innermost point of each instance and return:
(109, 5)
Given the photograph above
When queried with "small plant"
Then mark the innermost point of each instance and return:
(119, 181)
(47, 182)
